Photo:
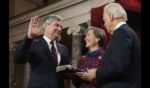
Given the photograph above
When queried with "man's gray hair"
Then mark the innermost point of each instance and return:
(116, 10)
(49, 19)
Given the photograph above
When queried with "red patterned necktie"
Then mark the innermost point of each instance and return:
(53, 51)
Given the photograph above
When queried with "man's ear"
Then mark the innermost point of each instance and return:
(111, 16)
(45, 26)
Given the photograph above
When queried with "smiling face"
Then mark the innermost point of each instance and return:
(90, 39)
(53, 30)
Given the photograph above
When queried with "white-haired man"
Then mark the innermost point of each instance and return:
(122, 66)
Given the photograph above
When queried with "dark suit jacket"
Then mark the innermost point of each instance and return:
(122, 66)
(43, 67)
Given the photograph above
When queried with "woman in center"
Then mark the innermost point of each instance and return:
(95, 39)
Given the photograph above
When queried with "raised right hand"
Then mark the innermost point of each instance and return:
(34, 30)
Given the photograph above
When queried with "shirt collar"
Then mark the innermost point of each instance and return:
(47, 39)
(119, 24)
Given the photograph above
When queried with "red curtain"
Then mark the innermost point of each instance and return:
(97, 21)
(133, 5)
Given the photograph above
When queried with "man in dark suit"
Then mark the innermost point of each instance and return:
(40, 54)
(122, 59)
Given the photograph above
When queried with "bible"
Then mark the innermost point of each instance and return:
(68, 68)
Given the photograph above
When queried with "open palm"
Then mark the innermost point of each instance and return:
(33, 30)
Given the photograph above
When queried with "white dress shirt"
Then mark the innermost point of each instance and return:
(55, 45)
(119, 24)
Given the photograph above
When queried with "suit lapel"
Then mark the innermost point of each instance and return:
(61, 52)
(45, 47)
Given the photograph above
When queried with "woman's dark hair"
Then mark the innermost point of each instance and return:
(100, 34)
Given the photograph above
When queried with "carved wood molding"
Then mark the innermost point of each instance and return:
(74, 30)
(41, 12)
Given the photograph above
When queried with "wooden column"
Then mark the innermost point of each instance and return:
(77, 32)
(18, 73)
(11, 70)
(26, 75)
(76, 43)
